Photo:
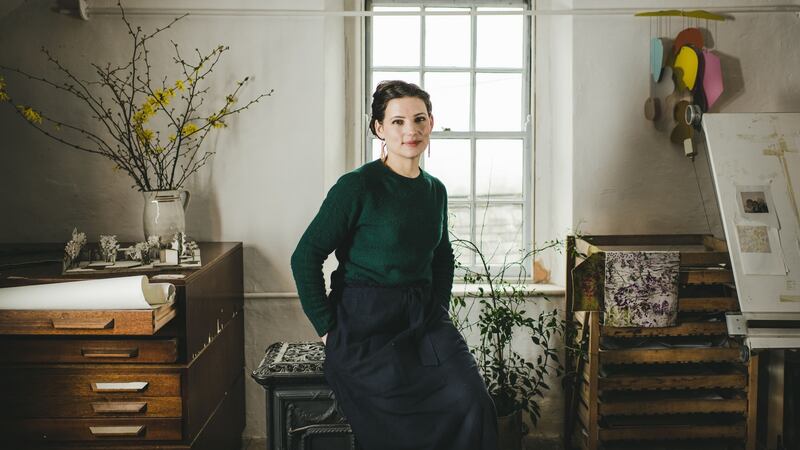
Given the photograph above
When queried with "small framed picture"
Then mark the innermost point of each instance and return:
(755, 204)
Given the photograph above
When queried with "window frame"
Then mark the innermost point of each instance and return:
(524, 275)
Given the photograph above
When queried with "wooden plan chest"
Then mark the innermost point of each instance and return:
(129, 379)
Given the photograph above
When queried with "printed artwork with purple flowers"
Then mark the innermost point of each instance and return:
(641, 289)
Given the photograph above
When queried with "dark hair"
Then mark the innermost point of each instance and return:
(389, 90)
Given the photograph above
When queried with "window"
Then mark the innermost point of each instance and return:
(476, 67)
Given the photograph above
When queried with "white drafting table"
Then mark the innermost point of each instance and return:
(749, 153)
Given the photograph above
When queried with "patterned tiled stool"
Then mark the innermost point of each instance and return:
(301, 408)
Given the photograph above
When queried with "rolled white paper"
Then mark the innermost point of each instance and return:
(134, 292)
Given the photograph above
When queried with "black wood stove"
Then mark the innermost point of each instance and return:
(302, 413)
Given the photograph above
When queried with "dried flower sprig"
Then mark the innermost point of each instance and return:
(138, 251)
(73, 247)
(109, 245)
(154, 241)
(142, 110)
(142, 251)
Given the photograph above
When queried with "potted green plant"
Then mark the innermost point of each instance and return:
(515, 383)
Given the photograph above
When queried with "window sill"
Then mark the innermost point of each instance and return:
(538, 289)
(461, 289)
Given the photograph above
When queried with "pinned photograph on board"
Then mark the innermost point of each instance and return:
(755, 204)
(760, 250)
(753, 239)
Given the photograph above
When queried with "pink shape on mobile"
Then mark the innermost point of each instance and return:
(712, 77)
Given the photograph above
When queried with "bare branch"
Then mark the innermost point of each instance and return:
(151, 160)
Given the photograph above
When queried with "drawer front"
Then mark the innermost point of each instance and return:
(55, 430)
(131, 322)
(212, 298)
(37, 384)
(43, 350)
(212, 373)
(91, 407)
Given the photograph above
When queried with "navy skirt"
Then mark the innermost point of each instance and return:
(403, 375)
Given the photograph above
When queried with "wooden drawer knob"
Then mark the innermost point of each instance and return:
(83, 324)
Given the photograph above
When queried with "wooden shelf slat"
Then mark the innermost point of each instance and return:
(670, 355)
(672, 432)
(654, 394)
(708, 259)
(684, 329)
(697, 381)
(706, 277)
(683, 444)
(673, 406)
(708, 304)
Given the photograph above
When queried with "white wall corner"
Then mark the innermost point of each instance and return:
(553, 146)
(334, 139)
(354, 85)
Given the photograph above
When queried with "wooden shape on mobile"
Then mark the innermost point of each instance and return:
(689, 36)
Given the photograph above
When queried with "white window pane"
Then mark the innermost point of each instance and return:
(450, 163)
(498, 101)
(459, 221)
(499, 232)
(450, 94)
(447, 39)
(395, 39)
(498, 168)
(499, 41)
(409, 77)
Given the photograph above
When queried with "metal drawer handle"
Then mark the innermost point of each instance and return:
(115, 431)
(119, 407)
(83, 324)
(133, 386)
(110, 352)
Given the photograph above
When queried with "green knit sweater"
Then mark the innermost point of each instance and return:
(386, 229)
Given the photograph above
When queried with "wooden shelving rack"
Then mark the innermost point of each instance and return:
(679, 396)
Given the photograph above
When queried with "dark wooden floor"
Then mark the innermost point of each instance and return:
(254, 444)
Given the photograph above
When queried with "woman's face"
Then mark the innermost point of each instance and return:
(406, 127)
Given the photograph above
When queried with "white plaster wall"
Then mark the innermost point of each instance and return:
(242, 193)
(628, 177)
(273, 165)
(277, 319)
(599, 164)
(553, 133)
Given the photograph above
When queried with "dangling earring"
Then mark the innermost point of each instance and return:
(383, 150)
(429, 149)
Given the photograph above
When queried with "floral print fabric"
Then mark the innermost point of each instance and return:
(641, 288)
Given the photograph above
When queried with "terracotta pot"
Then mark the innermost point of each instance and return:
(509, 431)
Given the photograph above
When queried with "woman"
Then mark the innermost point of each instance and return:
(401, 372)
